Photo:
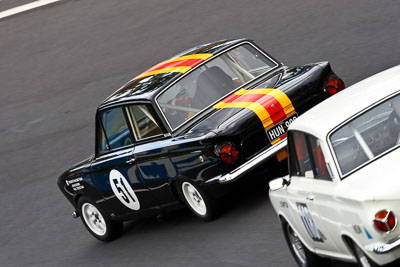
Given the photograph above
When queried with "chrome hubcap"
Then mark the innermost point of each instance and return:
(297, 246)
(94, 219)
(194, 198)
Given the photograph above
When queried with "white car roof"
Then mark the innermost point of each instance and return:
(322, 118)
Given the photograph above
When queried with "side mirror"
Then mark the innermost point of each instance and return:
(278, 183)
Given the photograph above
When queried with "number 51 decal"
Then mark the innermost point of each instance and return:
(306, 217)
(122, 189)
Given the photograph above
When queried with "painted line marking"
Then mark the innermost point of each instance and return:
(23, 8)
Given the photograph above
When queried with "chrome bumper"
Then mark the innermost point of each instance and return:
(249, 165)
(387, 247)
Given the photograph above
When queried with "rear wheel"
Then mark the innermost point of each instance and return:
(302, 256)
(197, 200)
(362, 259)
(97, 222)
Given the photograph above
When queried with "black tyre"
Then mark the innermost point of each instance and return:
(302, 256)
(201, 204)
(97, 222)
(362, 259)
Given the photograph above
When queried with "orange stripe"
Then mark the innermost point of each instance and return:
(180, 64)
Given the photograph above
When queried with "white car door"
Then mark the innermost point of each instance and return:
(309, 191)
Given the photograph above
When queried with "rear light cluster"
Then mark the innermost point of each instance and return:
(335, 85)
(227, 152)
(385, 221)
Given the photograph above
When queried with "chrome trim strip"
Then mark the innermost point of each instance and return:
(247, 166)
(387, 247)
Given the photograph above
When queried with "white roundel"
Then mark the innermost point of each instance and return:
(123, 190)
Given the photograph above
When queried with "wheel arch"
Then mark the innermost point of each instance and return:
(283, 218)
(174, 186)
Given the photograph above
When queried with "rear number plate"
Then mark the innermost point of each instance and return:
(281, 128)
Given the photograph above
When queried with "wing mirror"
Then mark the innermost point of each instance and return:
(278, 183)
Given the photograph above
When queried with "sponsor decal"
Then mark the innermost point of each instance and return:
(272, 107)
(180, 64)
(283, 204)
(123, 190)
(357, 229)
(309, 224)
(75, 183)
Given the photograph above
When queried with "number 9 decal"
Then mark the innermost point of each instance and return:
(123, 190)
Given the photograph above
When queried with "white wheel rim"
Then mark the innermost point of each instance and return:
(194, 199)
(297, 246)
(93, 219)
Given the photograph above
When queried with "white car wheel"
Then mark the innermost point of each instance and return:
(94, 220)
(297, 246)
(194, 198)
(98, 223)
(361, 257)
(302, 256)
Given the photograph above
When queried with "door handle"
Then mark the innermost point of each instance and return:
(130, 161)
(310, 197)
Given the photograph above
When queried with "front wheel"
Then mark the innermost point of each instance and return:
(302, 256)
(97, 222)
(197, 200)
(362, 259)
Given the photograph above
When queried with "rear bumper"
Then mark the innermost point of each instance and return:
(250, 165)
(387, 247)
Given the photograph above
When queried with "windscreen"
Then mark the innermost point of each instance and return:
(212, 81)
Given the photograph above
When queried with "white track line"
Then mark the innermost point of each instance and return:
(26, 7)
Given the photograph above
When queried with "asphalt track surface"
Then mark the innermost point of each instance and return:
(57, 63)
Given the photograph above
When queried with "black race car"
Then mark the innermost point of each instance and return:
(187, 127)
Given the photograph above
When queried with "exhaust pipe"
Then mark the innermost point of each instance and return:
(75, 214)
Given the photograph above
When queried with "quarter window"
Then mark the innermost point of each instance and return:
(114, 132)
(143, 122)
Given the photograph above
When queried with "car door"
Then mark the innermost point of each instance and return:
(152, 152)
(114, 172)
(310, 190)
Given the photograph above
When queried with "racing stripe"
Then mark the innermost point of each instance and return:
(270, 105)
(179, 64)
(166, 70)
(258, 109)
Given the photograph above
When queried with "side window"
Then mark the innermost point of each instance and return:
(113, 131)
(143, 122)
(320, 169)
(299, 158)
(306, 157)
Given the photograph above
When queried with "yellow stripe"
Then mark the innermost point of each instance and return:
(275, 141)
(166, 70)
(194, 56)
(280, 96)
(174, 69)
(258, 109)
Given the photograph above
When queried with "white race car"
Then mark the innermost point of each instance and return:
(341, 198)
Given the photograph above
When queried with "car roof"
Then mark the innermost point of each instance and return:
(324, 117)
(146, 85)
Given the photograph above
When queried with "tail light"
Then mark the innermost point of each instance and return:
(335, 85)
(385, 221)
(228, 153)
